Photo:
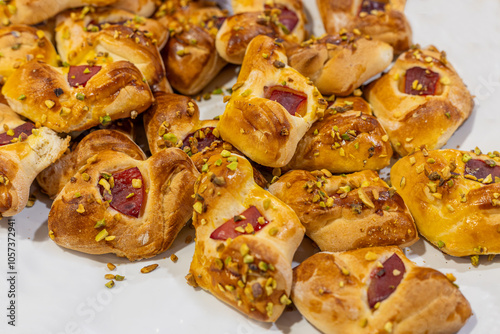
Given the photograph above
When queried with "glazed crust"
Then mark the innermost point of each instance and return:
(116, 90)
(413, 121)
(425, 301)
(139, 7)
(455, 213)
(169, 177)
(261, 128)
(223, 267)
(106, 35)
(338, 66)
(53, 179)
(190, 57)
(389, 26)
(347, 139)
(20, 162)
(343, 213)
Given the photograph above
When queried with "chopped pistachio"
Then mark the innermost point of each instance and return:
(148, 269)
(100, 223)
(110, 284)
(101, 235)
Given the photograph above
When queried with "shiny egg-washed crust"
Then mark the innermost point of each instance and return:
(425, 301)
(458, 215)
(338, 66)
(260, 294)
(260, 128)
(21, 43)
(55, 177)
(116, 90)
(168, 176)
(412, 120)
(390, 26)
(252, 20)
(190, 57)
(347, 139)
(347, 212)
(21, 162)
(132, 39)
(179, 115)
(138, 7)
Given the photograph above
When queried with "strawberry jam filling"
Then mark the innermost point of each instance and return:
(245, 223)
(384, 281)
(367, 6)
(126, 191)
(293, 101)
(80, 75)
(22, 131)
(421, 81)
(199, 139)
(287, 17)
(481, 169)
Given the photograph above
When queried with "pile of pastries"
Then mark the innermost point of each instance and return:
(295, 151)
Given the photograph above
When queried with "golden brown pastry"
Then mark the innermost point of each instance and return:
(384, 20)
(20, 44)
(117, 204)
(76, 98)
(338, 64)
(139, 7)
(347, 211)
(347, 139)
(272, 106)
(276, 19)
(54, 178)
(24, 152)
(454, 197)
(377, 290)
(421, 101)
(245, 240)
(190, 57)
(105, 35)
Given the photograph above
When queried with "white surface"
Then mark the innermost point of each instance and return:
(61, 291)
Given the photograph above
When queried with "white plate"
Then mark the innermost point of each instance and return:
(61, 291)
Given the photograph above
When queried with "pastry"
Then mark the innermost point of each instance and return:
(454, 197)
(384, 20)
(139, 7)
(421, 101)
(271, 107)
(105, 35)
(117, 204)
(346, 212)
(55, 177)
(245, 240)
(377, 290)
(24, 152)
(276, 19)
(190, 57)
(338, 64)
(347, 139)
(76, 98)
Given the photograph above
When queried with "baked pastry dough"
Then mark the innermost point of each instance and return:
(347, 212)
(136, 213)
(338, 64)
(276, 19)
(272, 106)
(24, 152)
(454, 197)
(139, 7)
(384, 20)
(420, 101)
(333, 291)
(347, 139)
(21, 43)
(51, 95)
(105, 35)
(53, 179)
(245, 240)
(190, 58)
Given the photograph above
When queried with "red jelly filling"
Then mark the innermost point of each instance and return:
(207, 140)
(384, 281)
(421, 81)
(480, 169)
(287, 17)
(228, 229)
(368, 5)
(23, 130)
(295, 102)
(80, 75)
(124, 197)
